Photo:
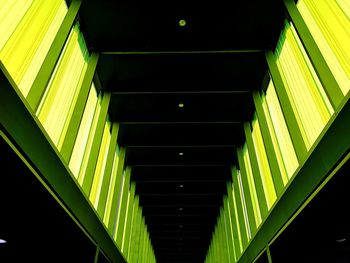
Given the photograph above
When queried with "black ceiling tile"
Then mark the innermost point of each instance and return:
(181, 155)
(201, 173)
(211, 66)
(177, 134)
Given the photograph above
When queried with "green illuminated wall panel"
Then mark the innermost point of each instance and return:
(128, 220)
(246, 171)
(236, 230)
(44, 57)
(28, 29)
(329, 23)
(113, 197)
(239, 209)
(119, 228)
(85, 128)
(229, 230)
(105, 187)
(309, 101)
(282, 143)
(57, 105)
(131, 221)
(290, 114)
(100, 166)
(267, 181)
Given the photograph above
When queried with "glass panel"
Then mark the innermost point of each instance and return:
(126, 220)
(28, 29)
(282, 142)
(111, 190)
(263, 163)
(329, 24)
(238, 229)
(308, 99)
(83, 133)
(251, 183)
(245, 213)
(119, 207)
(58, 103)
(101, 165)
(235, 227)
(89, 142)
(230, 225)
(11, 13)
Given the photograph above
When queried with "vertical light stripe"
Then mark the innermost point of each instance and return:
(310, 104)
(263, 163)
(11, 14)
(59, 100)
(245, 213)
(125, 221)
(101, 165)
(119, 207)
(230, 224)
(237, 222)
(89, 142)
(83, 133)
(329, 24)
(131, 230)
(283, 145)
(252, 189)
(111, 190)
(26, 47)
(227, 237)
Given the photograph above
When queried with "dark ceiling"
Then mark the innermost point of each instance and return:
(181, 156)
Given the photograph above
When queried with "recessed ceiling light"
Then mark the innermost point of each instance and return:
(181, 105)
(180, 208)
(2, 241)
(182, 22)
(181, 153)
(341, 240)
(181, 185)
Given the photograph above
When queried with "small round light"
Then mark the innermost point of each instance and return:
(181, 153)
(2, 241)
(181, 105)
(180, 226)
(181, 185)
(180, 208)
(182, 22)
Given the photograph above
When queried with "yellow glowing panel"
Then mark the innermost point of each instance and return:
(231, 229)
(282, 142)
(252, 189)
(83, 133)
(308, 99)
(89, 142)
(26, 48)
(11, 14)
(119, 207)
(61, 94)
(238, 229)
(329, 24)
(100, 166)
(111, 190)
(263, 164)
(345, 6)
(126, 220)
(245, 213)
